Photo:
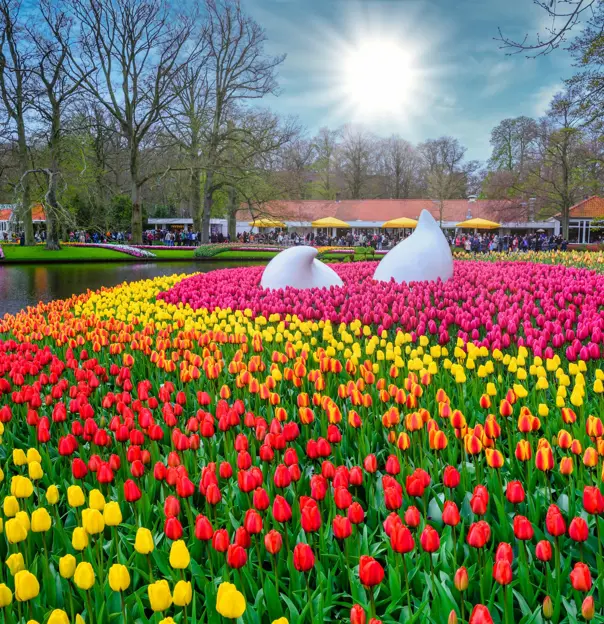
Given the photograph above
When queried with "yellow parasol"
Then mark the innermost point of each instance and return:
(402, 222)
(267, 223)
(479, 224)
(330, 222)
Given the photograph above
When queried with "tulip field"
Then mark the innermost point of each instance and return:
(195, 449)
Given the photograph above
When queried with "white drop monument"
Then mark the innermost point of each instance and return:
(423, 256)
(298, 267)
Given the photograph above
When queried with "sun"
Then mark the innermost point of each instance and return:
(377, 77)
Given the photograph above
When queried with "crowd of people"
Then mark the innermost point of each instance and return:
(483, 243)
(475, 243)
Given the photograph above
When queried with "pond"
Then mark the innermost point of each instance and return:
(23, 285)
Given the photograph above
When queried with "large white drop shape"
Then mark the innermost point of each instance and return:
(423, 256)
(298, 267)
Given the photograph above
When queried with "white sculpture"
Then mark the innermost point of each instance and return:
(298, 267)
(423, 256)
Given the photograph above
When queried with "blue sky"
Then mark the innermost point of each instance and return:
(459, 82)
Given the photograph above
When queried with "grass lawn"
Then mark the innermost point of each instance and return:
(173, 253)
(15, 253)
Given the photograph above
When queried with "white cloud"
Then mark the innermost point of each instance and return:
(543, 96)
(498, 77)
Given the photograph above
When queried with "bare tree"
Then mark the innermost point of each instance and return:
(447, 176)
(326, 145)
(296, 159)
(15, 82)
(238, 71)
(357, 154)
(564, 15)
(512, 140)
(401, 166)
(128, 54)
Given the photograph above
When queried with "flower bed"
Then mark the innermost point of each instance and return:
(1, 253)
(130, 250)
(162, 463)
(495, 305)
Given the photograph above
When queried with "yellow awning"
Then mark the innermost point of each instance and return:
(402, 222)
(479, 224)
(330, 222)
(267, 223)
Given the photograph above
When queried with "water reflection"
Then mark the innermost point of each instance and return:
(27, 284)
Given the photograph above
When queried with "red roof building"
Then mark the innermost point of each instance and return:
(8, 217)
(580, 220)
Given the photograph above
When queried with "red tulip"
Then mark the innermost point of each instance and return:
(480, 500)
(304, 559)
(543, 550)
(273, 542)
(282, 512)
(515, 492)
(356, 515)
(593, 501)
(203, 528)
(371, 572)
(310, 516)
(554, 521)
(478, 534)
(451, 477)
(578, 530)
(370, 463)
(480, 615)
(131, 491)
(260, 499)
(412, 517)
(523, 529)
(401, 539)
(502, 572)
(450, 514)
(504, 551)
(357, 615)
(252, 522)
(393, 498)
(341, 527)
(220, 540)
(236, 556)
(173, 528)
(580, 577)
(429, 539)
(171, 506)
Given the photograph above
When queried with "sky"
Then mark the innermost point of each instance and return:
(417, 68)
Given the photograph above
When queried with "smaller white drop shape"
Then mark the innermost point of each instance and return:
(298, 267)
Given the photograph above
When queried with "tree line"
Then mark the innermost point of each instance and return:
(115, 110)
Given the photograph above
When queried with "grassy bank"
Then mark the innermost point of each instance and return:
(15, 253)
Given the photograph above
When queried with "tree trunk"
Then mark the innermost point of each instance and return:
(232, 214)
(195, 198)
(28, 226)
(207, 207)
(137, 213)
(52, 212)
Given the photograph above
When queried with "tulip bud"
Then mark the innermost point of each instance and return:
(119, 577)
(548, 608)
(357, 615)
(183, 593)
(452, 619)
(84, 576)
(67, 566)
(588, 609)
(461, 579)
(26, 586)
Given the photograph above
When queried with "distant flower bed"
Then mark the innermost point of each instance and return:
(127, 249)
(1, 253)
(166, 247)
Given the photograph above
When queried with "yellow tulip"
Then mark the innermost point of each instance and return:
(52, 495)
(96, 500)
(160, 597)
(35, 471)
(23, 518)
(119, 577)
(112, 514)
(19, 457)
(230, 602)
(15, 531)
(167, 620)
(26, 586)
(67, 566)
(79, 539)
(40, 520)
(281, 620)
(84, 576)
(79, 619)
(75, 496)
(33, 622)
(143, 543)
(15, 563)
(6, 595)
(10, 506)
(58, 616)
(93, 522)
(33, 456)
(183, 593)
(179, 555)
